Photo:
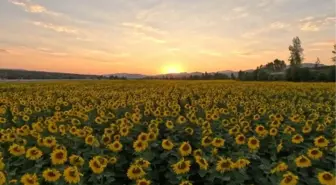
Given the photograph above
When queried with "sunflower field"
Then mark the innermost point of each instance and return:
(167, 132)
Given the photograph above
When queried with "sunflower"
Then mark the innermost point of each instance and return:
(71, 175)
(90, 140)
(260, 129)
(167, 144)
(297, 139)
(281, 167)
(49, 141)
(106, 139)
(142, 163)
(76, 160)
(256, 117)
(140, 146)
(169, 124)
(29, 179)
(33, 153)
(273, 131)
(135, 172)
(116, 146)
(143, 137)
(314, 153)
(52, 128)
(302, 162)
(185, 182)
(124, 131)
(143, 181)
(51, 175)
(206, 141)
(289, 179)
(233, 131)
(240, 139)
(96, 166)
(2, 178)
(17, 150)
(197, 153)
(189, 131)
(202, 162)
(326, 178)
(185, 149)
(253, 143)
(306, 129)
(152, 135)
(218, 142)
(241, 163)
(13, 181)
(181, 120)
(181, 167)
(112, 160)
(321, 142)
(224, 165)
(58, 156)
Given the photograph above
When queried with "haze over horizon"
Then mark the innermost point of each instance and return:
(153, 36)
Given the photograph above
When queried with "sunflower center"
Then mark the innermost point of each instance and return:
(136, 170)
(321, 140)
(51, 174)
(241, 138)
(288, 179)
(303, 160)
(253, 142)
(260, 128)
(327, 177)
(225, 164)
(182, 165)
(30, 180)
(72, 173)
(185, 147)
(116, 145)
(139, 145)
(17, 149)
(106, 139)
(59, 155)
(218, 141)
(297, 138)
(34, 152)
(314, 152)
(96, 165)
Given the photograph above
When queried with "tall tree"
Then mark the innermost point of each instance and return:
(296, 53)
(334, 52)
(317, 63)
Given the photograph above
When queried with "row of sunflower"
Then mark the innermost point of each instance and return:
(167, 132)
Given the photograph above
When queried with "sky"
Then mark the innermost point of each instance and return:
(156, 36)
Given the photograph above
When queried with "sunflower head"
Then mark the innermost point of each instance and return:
(51, 175)
(185, 149)
(135, 172)
(167, 144)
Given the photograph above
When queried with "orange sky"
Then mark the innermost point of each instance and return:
(154, 36)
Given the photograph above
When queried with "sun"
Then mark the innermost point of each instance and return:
(171, 69)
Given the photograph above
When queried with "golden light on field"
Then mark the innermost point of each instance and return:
(172, 68)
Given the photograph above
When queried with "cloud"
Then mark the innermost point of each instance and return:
(51, 52)
(273, 26)
(314, 24)
(309, 26)
(143, 28)
(3, 51)
(239, 9)
(279, 25)
(56, 28)
(31, 7)
(245, 54)
(325, 43)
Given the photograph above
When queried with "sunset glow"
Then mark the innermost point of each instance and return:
(155, 36)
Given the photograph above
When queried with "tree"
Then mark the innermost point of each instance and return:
(334, 52)
(317, 63)
(233, 76)
(296, 53)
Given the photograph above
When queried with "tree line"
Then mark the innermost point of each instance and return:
(278, 70)
(11, 74)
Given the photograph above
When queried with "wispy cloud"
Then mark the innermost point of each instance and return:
(3, 51)
(51, 52)
(56, 28)
(245, 53)
(325, 43)
(309, 26)
(315, 24)
(143, 28)
(273, 26)
(31, 7)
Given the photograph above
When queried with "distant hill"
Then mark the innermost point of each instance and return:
(25, 74)
(127, 75)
